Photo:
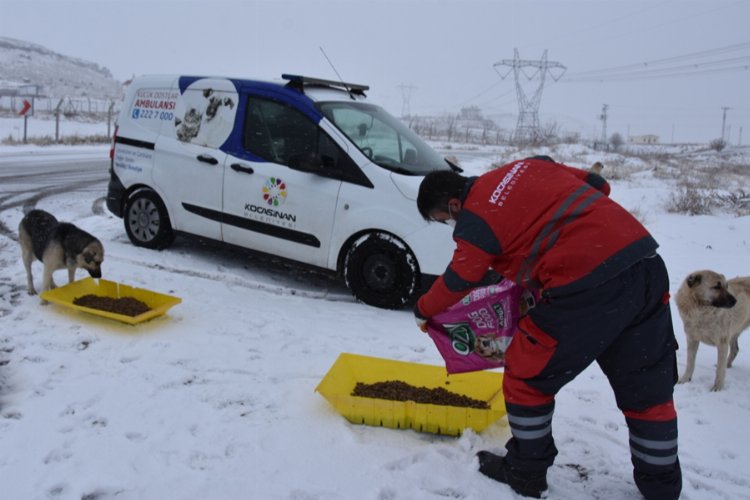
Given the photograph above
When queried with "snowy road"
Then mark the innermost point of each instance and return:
(27, 177)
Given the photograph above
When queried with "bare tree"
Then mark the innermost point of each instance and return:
(616, 141)
(717, 144)
(452, 119)
(549, 133)
(571, 138)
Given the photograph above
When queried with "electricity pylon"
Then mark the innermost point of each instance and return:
(603, 118)
(724, 123)
(406, 99)
(527, 127)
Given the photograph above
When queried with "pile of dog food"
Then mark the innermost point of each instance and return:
(127, 306)
(396, 390)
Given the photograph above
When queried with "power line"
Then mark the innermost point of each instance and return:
(481, 93)
(656, 62)
(667, 67)
(610, 27)
(664, 73)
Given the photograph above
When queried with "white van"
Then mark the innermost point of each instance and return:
(301, 168)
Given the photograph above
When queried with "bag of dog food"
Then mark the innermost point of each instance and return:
(474, 334)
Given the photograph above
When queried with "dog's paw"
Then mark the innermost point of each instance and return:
(717, 387)
(683, 379)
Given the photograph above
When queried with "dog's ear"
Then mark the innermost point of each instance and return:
(693, 279)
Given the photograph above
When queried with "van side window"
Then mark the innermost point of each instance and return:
(279, 133)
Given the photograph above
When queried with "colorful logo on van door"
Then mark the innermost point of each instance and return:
(274, 192)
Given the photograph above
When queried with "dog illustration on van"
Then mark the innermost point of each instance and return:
(189, 126)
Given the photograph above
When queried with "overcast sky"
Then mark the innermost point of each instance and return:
(440, 55)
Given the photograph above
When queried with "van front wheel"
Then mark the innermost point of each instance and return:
(146, 220)
(381, 271)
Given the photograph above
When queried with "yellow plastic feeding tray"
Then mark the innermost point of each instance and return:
(339, 382)
(158, 303)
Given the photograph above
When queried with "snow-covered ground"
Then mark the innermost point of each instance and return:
(216, 399)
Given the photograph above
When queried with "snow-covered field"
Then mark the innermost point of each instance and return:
(216, 400)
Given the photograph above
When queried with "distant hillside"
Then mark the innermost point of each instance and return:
(23, 63)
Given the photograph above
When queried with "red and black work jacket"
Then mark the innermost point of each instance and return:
(544, 225)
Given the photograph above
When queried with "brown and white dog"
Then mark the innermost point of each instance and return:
(58, 245)
(713, 311)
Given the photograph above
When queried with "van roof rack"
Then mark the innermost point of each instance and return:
(299, 82)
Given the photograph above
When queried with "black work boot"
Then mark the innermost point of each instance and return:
(664, 486)
(528, 484)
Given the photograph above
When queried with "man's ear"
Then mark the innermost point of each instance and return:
(454, 204)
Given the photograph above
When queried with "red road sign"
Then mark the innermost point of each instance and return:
(25, 109)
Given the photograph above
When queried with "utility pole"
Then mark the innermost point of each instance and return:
(406, 91)
(603, 118)
(724, 123)
(527, 127)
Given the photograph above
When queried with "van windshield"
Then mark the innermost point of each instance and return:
(383, 138)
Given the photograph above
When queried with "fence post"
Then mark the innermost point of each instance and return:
(57, 120)
(109, 118)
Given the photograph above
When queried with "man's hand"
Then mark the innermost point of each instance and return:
(421, 323)
(420, 319)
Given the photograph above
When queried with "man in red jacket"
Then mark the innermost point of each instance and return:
(604, 298)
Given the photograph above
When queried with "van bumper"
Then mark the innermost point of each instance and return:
(115, 195)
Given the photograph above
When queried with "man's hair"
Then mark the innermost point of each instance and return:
(436, 189)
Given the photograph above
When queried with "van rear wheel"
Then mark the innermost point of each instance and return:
(146, 220)
(381, 271)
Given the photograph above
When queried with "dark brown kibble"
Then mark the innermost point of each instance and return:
(395, 390)
(127, 306)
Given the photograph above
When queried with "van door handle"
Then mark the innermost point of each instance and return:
(208, 159)
(239, 168)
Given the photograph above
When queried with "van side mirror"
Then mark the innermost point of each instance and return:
(452, 162)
